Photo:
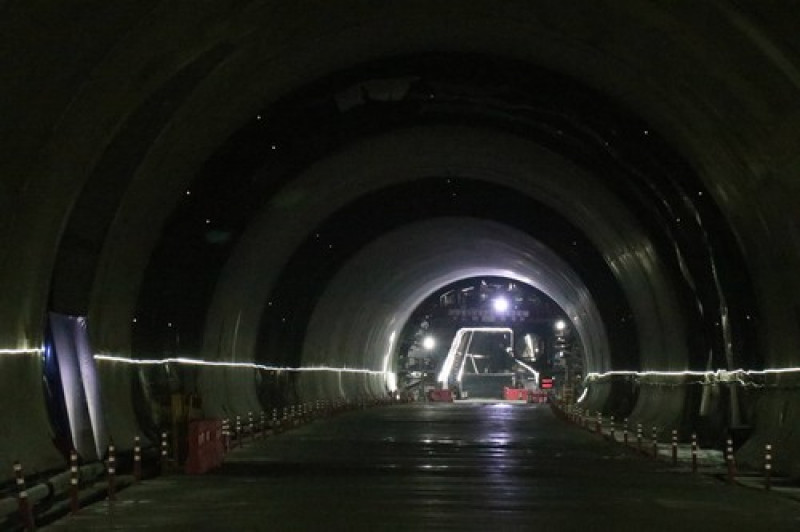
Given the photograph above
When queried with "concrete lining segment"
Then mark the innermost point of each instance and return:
(369, 301)
(535, 33)
(417, 153)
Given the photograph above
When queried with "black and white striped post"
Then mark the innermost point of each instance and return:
(730, 460)
(654, 439)
(625, 432)
(112, 471)
(226, 434)
(694, 452)
(262, 424)
(768, 467)
(25, 510)
(238, 435)
(598, 426)
(611, 429)
(639, 436)
(252, 425)
(164, 453)
(137, 459)
(74, 502)
(674, 447)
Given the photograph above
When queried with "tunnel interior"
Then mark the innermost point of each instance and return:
(253, 171)
(683, 228)
(290, 226)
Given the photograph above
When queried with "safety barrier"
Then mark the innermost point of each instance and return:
(206, 448)
(74, 501)
(515, 394)
(767, 466)
(55, 493)
(25, 510)
(445, 396)
(164, 463)
(137, 459)
(112, 471)
(538, 396)
(720, 463)
(76, 484)
(731, 461)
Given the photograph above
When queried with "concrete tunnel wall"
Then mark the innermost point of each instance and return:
(488, 156)
(148, 90)
(395, 274)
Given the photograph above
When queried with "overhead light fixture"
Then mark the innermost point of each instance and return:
(500, 304)
(428, 343)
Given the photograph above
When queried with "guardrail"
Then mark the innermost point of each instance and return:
(47, 498)
(678, 452)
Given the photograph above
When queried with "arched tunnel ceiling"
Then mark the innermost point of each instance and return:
(183, 104)
(486, 157)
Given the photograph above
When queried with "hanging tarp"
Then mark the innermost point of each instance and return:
(81, 386)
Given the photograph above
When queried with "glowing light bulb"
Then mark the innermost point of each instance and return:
(429, 343)
(500, 304)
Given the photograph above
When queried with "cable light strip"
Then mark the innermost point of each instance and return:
(720, 374)
(247, 365)
(22, 351)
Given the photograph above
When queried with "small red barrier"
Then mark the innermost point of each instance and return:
(515, 394)
(440, 396)
(206, 446)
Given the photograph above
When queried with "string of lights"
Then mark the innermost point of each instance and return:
(240, 365)
(22, 351)
(707, 377)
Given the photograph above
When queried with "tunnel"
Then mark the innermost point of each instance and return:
(264, 192)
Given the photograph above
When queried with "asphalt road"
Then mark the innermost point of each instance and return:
(464, 466)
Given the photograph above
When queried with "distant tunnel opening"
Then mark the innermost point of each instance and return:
(513, 334)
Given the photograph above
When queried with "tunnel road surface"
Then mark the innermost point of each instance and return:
(463, 466)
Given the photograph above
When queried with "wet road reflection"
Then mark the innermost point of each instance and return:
(462, 466)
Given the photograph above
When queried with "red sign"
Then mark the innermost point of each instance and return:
(546, 384)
